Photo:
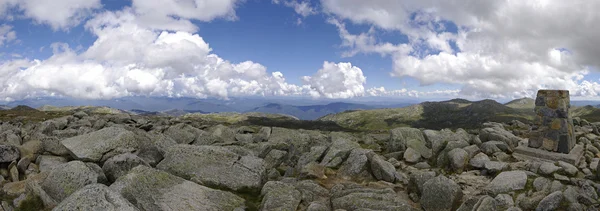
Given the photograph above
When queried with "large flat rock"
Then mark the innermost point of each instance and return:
(92, 146)
(65, 179)
(215, 166)
(527, 153)
(507, 181)
(96, 197)
(151, 189)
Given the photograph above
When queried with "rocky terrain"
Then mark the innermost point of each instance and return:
(86, 160)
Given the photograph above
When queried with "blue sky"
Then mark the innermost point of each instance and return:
(415, 50)
(265, 32)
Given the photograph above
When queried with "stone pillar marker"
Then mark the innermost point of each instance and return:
(553, 127)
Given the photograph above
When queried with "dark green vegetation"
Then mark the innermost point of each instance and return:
(456, 113)
(27, 114)
(448, 114)
(296, 124)
(590, 113)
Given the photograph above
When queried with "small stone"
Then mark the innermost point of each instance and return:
(422, 165)
(587, 172)
(412, 156)
(550, 202)
(9, 153)
(382, 170)
(48, 162)
(568, 168)
(119, 165)
(23, 164)
(541, 183)
(458, 159)
(244, 138)
(556, 186)
(507, 181)
(316, 206)
(531, 202)
(275, 157)
(479, 160)
(486, 203)
(504, 201)
(441, 193)
(356, 165)
(549, 145)
(502, 156)
(495, 166)
(588, 189)
(14, 172)
(335, 162)
(419, 146)
(472, 150)
(548, 168)
(279, 196)
(417, 179)
(469, 204)
(395, 162)
(80, 114)
(490, 147)
(400, 136)
(561, 177)
(273, 174)
(571, 194)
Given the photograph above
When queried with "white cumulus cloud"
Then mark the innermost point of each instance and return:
(341, 80)
(382, 92)
(128, 59)
(302, 7)
(502, 49)
(177, 14)
(61, 14)
(7, 34)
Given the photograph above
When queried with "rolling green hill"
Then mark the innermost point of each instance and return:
(523, 103)
(456, 113)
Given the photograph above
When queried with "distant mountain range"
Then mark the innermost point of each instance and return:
(311, 112)
(456, 113)
(300, 108)
(308, 109)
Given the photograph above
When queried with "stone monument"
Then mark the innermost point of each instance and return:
(553, 127)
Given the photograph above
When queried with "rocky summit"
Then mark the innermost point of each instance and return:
(98, 161)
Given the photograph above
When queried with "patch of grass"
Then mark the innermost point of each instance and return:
(296, 124)
(31, 203)
(253, 201)
(30, 115)
(451, 114)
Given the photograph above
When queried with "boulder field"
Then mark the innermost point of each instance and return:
(116, 162)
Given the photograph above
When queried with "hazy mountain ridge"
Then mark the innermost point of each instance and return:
(311, 112)
(368, 115)
(303, 109)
